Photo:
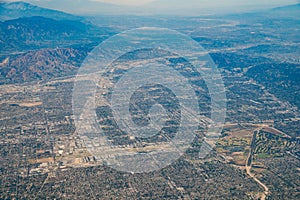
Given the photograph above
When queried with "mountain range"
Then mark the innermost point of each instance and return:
(37, 32)
(14, 10)
(159, 7)
(39, 44)
(41, 64)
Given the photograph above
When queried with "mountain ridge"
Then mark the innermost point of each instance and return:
(19, 9)
(159, 7)
(36, 32)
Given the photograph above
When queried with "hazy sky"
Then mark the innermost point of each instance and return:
(126, 2)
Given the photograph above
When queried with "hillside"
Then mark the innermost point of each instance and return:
(41, 65)
(43, 43)
(16, 10)
(25, 34)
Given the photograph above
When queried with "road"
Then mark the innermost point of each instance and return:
(249, 166)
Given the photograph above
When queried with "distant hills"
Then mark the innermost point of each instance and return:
(291, 11)
(14, 10)
(159, 7)
(39, 44)
(40, 65)
(27, 27)
(37, 32)
(291, 8)
(34, 40)
(84, 7)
